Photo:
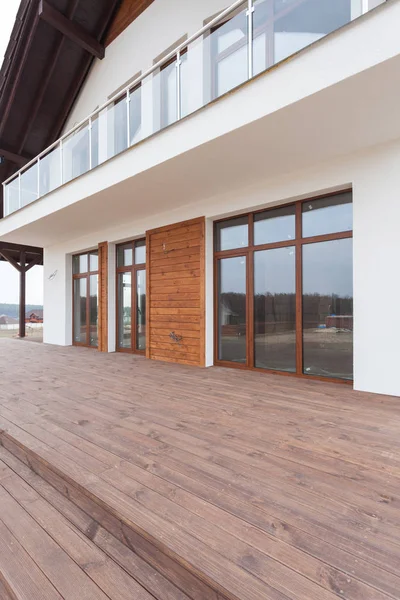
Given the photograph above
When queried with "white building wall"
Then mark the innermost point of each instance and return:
(375, 177)
(159, 27)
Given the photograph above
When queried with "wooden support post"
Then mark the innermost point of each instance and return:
(22, 294)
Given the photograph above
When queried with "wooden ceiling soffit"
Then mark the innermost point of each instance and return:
(76, 33)
(128, 11)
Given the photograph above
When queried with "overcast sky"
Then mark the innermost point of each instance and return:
(9, 282)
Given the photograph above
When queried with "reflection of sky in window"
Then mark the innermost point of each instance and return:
(276, 229)
(329, 219)
(233, 275)
(328, 268)
(233, 234)
(274, 271)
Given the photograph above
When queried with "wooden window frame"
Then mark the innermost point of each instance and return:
(86, 276)
(248, 252)
(133, 270)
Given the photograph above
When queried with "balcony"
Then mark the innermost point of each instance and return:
(242, 42)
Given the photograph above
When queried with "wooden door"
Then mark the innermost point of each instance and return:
(176, 293)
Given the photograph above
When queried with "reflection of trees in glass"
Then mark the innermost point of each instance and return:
(316, 308)
(277, 312)
(93, 309)
(274, 313)
(141, 309)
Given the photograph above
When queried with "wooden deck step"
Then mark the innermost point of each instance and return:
(112, 516)
(52, 550)
(182, 558)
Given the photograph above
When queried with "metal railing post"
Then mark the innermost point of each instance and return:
(128, 118)
(249, 13)
(38, 177)
(178, 87)
(19, 191)
(61, 163)
(90, 144)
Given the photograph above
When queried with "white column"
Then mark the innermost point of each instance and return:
(112, 298)
(57, 297)
(376, 273)
(209, 293)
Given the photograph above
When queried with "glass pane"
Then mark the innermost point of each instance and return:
(140, 252)
(80, 264)
(328, 309)
(29, 185)
(141, 310)
(195, 77)
(109, 132)
(76, 154)
(12, 196)
(168, 94)
(328, 215)
(283, 27)
(94, 311)
(94, 261)
(125, 255)
(229, 54)
(275, 225)
(80, 311)
(135, 115)
(124, 310)
(275, 309)
(232, 309)
(233, 233)
(152, 104)
(50, 171)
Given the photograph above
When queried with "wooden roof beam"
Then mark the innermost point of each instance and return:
(70, 29)
(17, 159)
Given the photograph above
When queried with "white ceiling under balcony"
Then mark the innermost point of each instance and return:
(338, 97)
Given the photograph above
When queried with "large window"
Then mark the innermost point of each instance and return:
(85, 274)
(284, 294)
(131, 297)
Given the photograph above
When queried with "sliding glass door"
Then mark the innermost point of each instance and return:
(131, 297)
(85, 299)
(284, 291)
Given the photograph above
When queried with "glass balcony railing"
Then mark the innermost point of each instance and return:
(241, 42)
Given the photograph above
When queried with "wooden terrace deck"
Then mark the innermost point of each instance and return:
(174, 482)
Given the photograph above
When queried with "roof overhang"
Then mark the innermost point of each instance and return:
(51, 49)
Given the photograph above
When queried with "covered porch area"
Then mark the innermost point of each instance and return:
(227, 484)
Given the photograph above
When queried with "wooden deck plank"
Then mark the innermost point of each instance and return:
(295, 484)
(106, 574)
(82, 537)
(58, 567)
(24, 579)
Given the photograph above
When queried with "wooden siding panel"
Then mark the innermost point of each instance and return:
(175, 294)
(103, 297)
(128, 11)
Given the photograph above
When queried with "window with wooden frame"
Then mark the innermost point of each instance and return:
(85, 282)
(284, 289)
(131, 297)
